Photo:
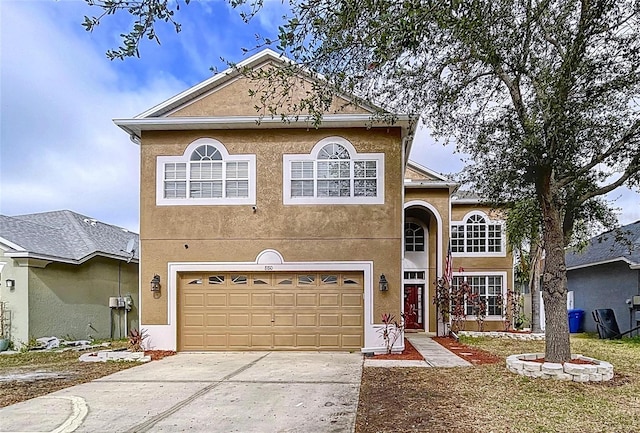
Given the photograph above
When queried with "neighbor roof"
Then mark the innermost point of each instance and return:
(64, 236)
(608, 247)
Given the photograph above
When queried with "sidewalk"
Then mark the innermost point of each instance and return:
(434, 354)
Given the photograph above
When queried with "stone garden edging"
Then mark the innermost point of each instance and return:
(524, 365)
(499, 334)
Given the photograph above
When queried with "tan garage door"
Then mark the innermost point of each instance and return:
(251, 311)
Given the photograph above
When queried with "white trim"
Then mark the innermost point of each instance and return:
(312, 156)
(185, 158)
(604, 262)
(442, 254)
(11, 245)
(165, 336)
(489, 221)
(503, 274)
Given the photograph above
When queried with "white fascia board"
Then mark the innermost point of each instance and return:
(467, 201)
(28, 255)
(430, 184)
(604, 262)
(134, 127)
(11, 245)
(427, 171)
(205, 85)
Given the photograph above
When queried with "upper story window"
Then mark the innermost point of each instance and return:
(413, 237)
(207, 175)
(477, 234)
(334, 173)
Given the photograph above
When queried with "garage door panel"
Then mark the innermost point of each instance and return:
(239, 299)
(258, 319)
(351, 300)
(329, 320)
(261, 299)
(306, 319)
(216, 299)
(216, 319)
(284, 300)
(352, 319)
(239, 319)
(330, 299)
(307, 311)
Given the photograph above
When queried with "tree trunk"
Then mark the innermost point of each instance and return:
(554, 290)
(534, 288)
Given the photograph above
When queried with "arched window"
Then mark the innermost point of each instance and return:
(477, 234)
(413, 237)
(206, 174)
(334, 173)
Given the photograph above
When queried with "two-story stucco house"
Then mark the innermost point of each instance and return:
(269, 235)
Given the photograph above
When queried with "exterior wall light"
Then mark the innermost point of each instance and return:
(383, 283)
(11, 283)
(155, 283)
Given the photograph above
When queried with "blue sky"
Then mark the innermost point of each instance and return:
(59, 94)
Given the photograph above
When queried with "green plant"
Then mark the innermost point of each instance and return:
(136, 340)
(392, 330)
(442, 300)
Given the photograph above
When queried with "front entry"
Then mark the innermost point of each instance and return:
(414, 306)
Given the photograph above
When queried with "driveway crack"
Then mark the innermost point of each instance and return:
(145, 426)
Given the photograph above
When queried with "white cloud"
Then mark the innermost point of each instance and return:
(60, 149)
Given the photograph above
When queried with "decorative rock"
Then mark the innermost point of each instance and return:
(532, 366)
(524, 365)
(580, 377)
(574, 368)
(595, 377)
(552, 368)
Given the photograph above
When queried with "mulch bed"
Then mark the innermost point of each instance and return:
(159, 354)
(573, 361)
(408, 354)
(473, 355)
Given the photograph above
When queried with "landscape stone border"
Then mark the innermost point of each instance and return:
(525, 365)
(499, 334)
(104, 356)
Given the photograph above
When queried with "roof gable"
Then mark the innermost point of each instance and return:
(227, 93)
(415, 171)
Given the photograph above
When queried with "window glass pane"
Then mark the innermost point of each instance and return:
(329, 279)
(175, 171)
(334, 170)
(333, 151)
(365, 169)
(301, 188)
(239, 279)
(206, 189)
(284, 281)
(334, 188)
(198, 281)
(413, 237)
(206, 153)
(237, 188)
(365, 188)
(216, 279)
(206, 170)
(175, 189)
(302, 170)
(261, 279)
(237, 170)
(305, 280)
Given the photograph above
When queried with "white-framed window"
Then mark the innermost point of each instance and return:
(206, 174)
(413, 237)
(477, 234)
(333, 173)
(488, 287)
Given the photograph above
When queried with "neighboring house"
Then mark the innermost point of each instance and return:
(59, 271)
(262, 234)
(606, 274)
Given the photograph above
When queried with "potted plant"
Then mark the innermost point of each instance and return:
(4, 338)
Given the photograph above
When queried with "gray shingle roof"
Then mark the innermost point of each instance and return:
(66, 236)
(609, 247)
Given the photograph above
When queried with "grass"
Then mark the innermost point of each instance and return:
(489, 398)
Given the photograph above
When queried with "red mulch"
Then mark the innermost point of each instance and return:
(159, 354)
(409, 353)
(473, 355)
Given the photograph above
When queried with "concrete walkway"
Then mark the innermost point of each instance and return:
(205, 392)
(434, 354)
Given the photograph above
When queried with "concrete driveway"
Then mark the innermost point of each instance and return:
(205, 392)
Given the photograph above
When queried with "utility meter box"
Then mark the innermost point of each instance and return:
(636, 301)
(113, 302)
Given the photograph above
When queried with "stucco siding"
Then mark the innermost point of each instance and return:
(72, 301)
(300, 233)
(604, 286)
(17, 301)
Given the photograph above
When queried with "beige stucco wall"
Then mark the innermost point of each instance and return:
(72, 301)
(300, 233)
(233, 99)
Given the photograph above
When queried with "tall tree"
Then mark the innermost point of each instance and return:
(543, 94)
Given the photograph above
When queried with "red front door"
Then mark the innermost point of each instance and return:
(413, 306)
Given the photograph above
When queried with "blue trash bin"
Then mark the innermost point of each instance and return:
(575, 320)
